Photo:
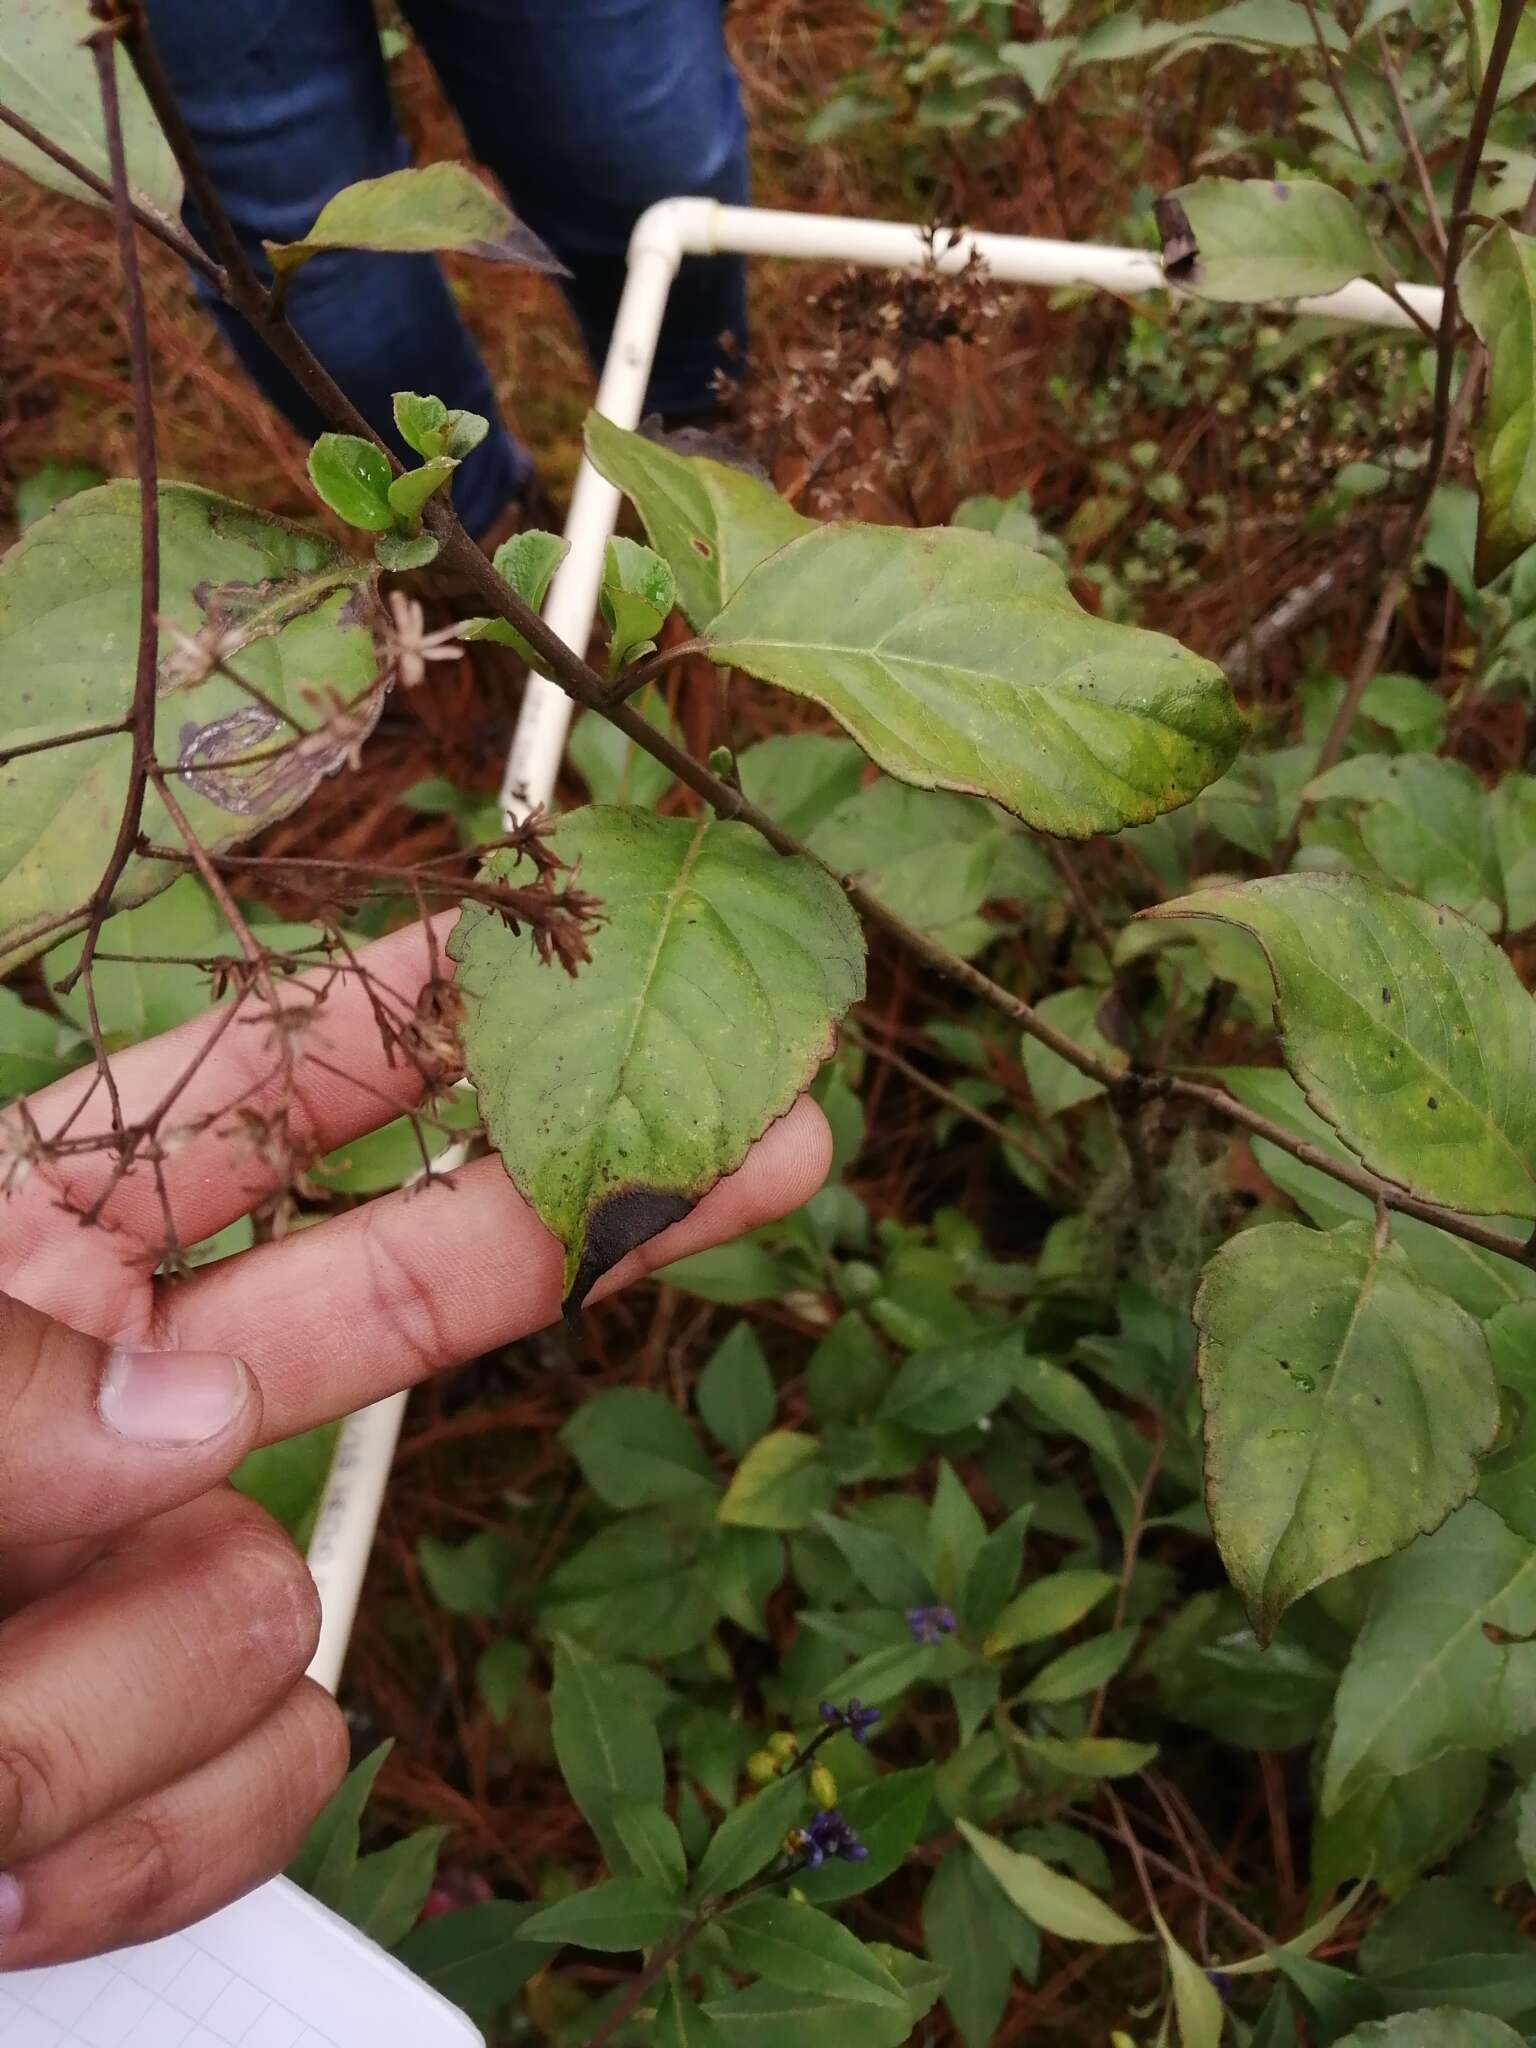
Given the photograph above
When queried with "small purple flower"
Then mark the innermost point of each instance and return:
(927, 1624)
(857, 1719)
(1220, 1983)
(828, 1834)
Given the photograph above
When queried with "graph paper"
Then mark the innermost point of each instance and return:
(274, 1970)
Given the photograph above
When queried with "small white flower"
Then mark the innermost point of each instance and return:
(410, 647)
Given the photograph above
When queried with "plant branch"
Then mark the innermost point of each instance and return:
(1399, 582)
(63, 739)
(242, 287)
(635, 679)
(141, 716)
(1410, 139)
(1335, 83)
(164, 231)
(593, 691)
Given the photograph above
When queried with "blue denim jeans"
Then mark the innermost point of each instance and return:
(586, 110)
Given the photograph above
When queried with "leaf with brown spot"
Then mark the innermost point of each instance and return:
(717, 979)
(291, 613)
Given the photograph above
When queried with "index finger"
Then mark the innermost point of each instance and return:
(342, 1314)
(228, 1079)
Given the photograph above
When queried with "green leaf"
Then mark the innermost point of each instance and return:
(1393, 1829)
(878, 1562)
(929, 856)
(735, 1392)
(713, 523)
(1447, 1940)
(1087, 1756)
(1446, 2028)
(1426, 823)
(1245, 240)
(297, 618)
(782, 1483)
(888, 1671)
(287, 1478)
(1508, 1482)
(770, 2016)
(477, 1956)
(1196, 2001)
(634, 1449)
(1346, 1407)
(352, 477)
(399, 552)
(474, 1577)
(501, 1677)
(422, 423)
(1479, 1281)
(948, 1389)
(654, 1845)
(1047, 1608)
(443, 206)
(528, 562)
(386, 1891)
(388, 1157)
(625, 1913)
(48, 77)
(408, 493)
(1497, 284)
(679, 2022)
(1058, 1904)
(157, 983)
(955, 1534)
(49, 485)
(806, 1950)
(744, 1566)
(434, 429)
(32, 1047)
(959, 661)
(328, 1853)
(1082, 1669)
(618, 1098)
(1433, 1669)
(1407, 1028)
(962, 1935)
(1080, 1012)
(1300, 1945)
(614, 768)
(750, 1837)
(801, 778)
(1067, 1404)
(638, 591)
(1512, 823)
(605, 1743)
(994, 1573)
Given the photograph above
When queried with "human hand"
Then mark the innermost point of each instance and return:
(160, 1750)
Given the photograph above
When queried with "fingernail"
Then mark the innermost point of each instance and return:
(171, 1397)
(11, 1906)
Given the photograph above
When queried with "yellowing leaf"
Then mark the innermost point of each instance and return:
(1346, 1407)
(1058, 1904)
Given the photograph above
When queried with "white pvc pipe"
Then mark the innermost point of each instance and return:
(664, 234)
(675, 228)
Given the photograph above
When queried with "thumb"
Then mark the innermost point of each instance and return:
(94, 1438)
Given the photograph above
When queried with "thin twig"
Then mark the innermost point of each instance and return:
(1335, 83)
(141, 717)
(1410, 140)
(656, 664)
(163, 230)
